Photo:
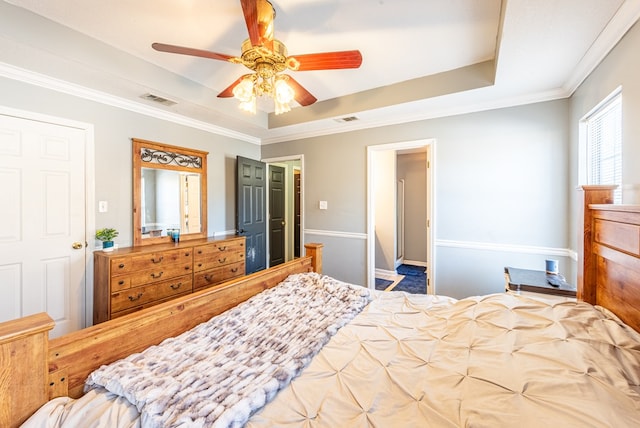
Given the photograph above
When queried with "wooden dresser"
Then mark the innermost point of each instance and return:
(129, 279)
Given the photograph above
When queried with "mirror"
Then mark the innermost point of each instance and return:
(169, 193)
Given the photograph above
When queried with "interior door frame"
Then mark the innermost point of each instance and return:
(276, 160)
(90, 199)
(430, 146)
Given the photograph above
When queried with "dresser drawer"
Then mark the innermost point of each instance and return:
(119, 283)
(159, 273)
(216, 248)
(121, 265)
(218, 254)
(161, 258)
(217, 260)
(217, 275)
(148, 293)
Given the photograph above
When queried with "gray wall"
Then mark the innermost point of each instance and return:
(506, 180)
(501, 181)
(494, 185)
(114, 128)
(620, 68)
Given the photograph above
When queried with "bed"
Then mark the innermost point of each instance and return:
(380, 359)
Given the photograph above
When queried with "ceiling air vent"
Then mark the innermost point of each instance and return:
(347, 119)
(158, 99)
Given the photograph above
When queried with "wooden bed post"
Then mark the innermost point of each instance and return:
(586, 287)
(315, 250)
(24, 371)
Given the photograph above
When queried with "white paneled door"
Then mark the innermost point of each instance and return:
(42, 221)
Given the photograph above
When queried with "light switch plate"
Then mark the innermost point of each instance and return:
(323, 205)
(103, 206)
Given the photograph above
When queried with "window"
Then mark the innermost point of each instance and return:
(603, 143)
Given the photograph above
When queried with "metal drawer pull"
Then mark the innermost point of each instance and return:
(153, 275)
(121, 265)
(209, 278)
(222, 248)
(234, 270)
(176, 286)
(222, 260)
(134, 298)
(121, 282)
(157, 261)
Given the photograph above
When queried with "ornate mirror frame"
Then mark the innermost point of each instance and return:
(149, 154)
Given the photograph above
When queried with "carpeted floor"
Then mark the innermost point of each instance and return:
(382, 284)
(411, 270)
(414, 281)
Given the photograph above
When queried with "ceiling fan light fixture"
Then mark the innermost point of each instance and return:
(249, 106)
(281, 107)
(283, 92)
(256, 85)
(245, 90)
(283, 95)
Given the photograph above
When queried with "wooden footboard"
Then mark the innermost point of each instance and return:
(34, 369)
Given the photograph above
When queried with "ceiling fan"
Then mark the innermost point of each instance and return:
(267, 57)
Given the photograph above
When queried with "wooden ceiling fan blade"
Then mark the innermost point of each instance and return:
(228, 92)
(302, 96)
(162, 47)
(266, 15)
(250, 11)
(259, 15)
(325, 61)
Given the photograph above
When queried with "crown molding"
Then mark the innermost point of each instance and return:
(626, 16)
(424, 114)
(37, 79)
(327, 125)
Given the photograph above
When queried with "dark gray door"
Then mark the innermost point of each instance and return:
(251, 211)
(277, 215)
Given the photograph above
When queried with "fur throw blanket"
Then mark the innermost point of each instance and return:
(222, 371)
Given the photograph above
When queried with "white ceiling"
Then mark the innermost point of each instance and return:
(421, 59)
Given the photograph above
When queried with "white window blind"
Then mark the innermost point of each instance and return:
(604, 146)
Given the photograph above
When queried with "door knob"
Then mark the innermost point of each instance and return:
(76, 245)
(283, 222)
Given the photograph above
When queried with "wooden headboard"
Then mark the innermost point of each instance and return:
(609, 254)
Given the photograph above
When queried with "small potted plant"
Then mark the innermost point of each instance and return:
(106, 235)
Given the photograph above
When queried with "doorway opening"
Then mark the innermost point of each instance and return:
(285, 237)
(388, 223)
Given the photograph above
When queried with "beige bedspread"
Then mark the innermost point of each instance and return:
(493, 361)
